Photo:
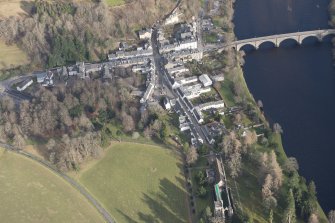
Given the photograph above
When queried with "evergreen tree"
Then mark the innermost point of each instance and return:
(289, 215)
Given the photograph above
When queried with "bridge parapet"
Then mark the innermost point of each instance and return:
(278, 39)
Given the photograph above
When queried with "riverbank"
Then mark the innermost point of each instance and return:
(276, 139)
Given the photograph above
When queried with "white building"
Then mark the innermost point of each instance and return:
(167, 104)
(147, 93)
(205, 80)
(178, 46)
(22, 86)
(196, 93)
(211, 105)
(179, 82)
(145, 33)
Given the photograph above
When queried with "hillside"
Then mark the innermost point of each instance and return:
(31, 193)
(55, 33)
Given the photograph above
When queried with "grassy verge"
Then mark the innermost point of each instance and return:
(31, 193)
(138, 183)
(114, 2)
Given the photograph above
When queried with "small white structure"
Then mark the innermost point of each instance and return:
(167, 104)
(218, 78)
(205, 80)
(22, 86)
(184, 126)
(145, 33)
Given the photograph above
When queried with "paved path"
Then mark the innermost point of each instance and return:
(76, 185)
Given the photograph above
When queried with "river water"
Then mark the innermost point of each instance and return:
(295, 83)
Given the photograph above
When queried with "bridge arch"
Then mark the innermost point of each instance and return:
(273, 43)
(328, 35)
(287, 39)
(315, 37)
(238, 47)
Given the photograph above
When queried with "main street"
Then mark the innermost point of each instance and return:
(164, 83)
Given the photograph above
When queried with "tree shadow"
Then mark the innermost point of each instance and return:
(168, 205)
(129, 219)
(28, 7)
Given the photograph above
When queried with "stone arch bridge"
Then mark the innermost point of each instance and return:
(278, 39)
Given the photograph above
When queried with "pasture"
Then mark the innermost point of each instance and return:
(138, 183)
(32, 193)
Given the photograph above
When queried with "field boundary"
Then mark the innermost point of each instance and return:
(72, 182)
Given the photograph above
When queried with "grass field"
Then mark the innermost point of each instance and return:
(11, 55)
(31, 193)
(138, 183)
(115, 2)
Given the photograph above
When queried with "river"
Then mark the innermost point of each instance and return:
(295, 83)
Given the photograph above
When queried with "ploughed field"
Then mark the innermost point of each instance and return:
(138, 183)
(32, 193)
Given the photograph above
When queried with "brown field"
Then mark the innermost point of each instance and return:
(11, 56)
(12, 8)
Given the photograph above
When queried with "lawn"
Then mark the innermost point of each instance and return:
(11, 56)
(115, 2)
(138, 183)
(32, 193)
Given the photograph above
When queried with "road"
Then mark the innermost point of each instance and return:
(76, 185)
(7, 90)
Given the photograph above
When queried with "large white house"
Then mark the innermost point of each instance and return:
(205, 80)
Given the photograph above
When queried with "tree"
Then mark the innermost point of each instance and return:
(270, 165)
(250, 138)
(291, 165)
(267, 187)
(208, 214)
(271, 216)
(277, 128)
(203, 149)
(164, 132)
(191, 156)
(201, 192)
(231, 147)
(128, 123)
(331, 216)
(289, 214)
(270, 202)
(313, 218)
(201, 178)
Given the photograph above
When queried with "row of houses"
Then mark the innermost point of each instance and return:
(149, 69)
(127, 55)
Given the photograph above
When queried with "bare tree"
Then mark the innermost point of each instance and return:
(291, 164)
(192, 155)
(277, 128)
(331, 216)
(313, 218)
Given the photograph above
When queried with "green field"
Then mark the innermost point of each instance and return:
(115, 2)
(32, 193)
(138, 183)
